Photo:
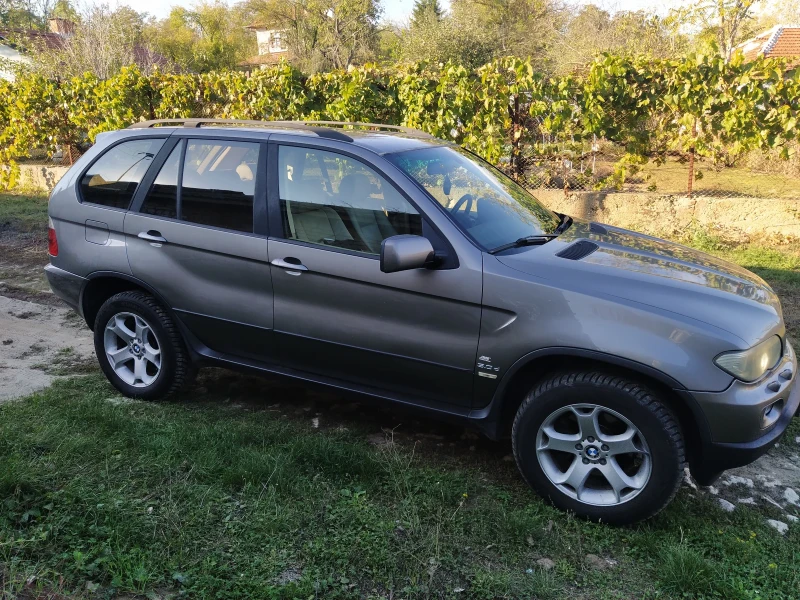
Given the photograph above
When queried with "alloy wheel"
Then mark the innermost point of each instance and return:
(593, 454)
(132, 349)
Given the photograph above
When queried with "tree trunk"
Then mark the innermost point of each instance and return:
(516, 134)
(691, 161)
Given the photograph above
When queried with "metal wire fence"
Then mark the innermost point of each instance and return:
(593, 166)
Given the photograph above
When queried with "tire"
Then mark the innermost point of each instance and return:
(164, 365)
(648, 448)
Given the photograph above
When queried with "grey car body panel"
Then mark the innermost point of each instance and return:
(664, 275)
(415, 331)
(205, 275)
(78, 254)
(65, 285)
(734, 415)
(448, 340)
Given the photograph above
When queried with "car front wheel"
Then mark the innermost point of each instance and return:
(600, 446)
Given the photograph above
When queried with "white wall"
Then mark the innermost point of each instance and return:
(263, 39)
(8, 53)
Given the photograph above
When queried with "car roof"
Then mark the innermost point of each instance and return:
(378, 138)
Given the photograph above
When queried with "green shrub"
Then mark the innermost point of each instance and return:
(503, 111)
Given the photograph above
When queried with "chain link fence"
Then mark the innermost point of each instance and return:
(573, 168)
(595, 166)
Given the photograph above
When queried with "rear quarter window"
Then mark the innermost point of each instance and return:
(113, 178)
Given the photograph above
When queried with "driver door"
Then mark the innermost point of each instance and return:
(408, 334)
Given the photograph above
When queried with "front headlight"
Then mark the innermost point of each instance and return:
(749, 365)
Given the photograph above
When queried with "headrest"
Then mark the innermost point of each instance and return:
(355, 186)
(244, 172)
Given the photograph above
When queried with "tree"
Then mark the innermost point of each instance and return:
(477, 31)
(209, 36)
(726, 22)
(31, 14)
(448, 40)
(324, 34)
(524, 28)
(104, 41)
(426, 11)
(593, 30)
(776, 12)
(64, 9)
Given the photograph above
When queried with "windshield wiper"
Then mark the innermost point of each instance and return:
(531, 240)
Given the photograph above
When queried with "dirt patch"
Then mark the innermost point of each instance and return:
(23, 255)
(39, 342)
(771, 485)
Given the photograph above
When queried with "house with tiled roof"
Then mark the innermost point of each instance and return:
(13, 41)
(17, 44)
(782, 41)
(272, 47)
(10, 54)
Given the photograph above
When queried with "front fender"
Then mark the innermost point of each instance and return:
(523, 314)
(492, 418)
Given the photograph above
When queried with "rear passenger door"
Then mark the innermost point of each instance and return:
(191, 235)
(412, 334)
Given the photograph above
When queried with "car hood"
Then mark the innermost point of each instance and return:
(657, 273)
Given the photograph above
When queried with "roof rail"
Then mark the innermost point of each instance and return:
(321, 128)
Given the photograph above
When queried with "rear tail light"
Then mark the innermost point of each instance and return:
(52, 242)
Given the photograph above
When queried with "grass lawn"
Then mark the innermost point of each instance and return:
(232, 491)
(672, 178)
(23, 212)
(214, 500)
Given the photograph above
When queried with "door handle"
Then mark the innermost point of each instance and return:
(152, 236)
(279, 262)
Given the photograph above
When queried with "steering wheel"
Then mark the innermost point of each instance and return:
(465, 198)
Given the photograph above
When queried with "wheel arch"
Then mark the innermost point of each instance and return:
(498, 416)
(101, 285)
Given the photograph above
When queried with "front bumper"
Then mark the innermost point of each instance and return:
(735, 420)
(65, 285)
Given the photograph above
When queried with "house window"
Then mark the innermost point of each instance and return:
(275, 41)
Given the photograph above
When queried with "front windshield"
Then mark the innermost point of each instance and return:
(486, 204)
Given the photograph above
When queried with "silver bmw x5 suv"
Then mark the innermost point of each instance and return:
(387, 263)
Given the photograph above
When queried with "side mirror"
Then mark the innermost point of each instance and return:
(405, 252)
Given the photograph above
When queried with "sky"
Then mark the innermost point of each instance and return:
(393, 10)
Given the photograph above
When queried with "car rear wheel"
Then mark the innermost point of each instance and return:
(139, 347)
(600, 446)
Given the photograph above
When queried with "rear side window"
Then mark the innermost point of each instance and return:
(113, 178)
(218, 185)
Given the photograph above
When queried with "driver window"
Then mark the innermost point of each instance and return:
(334, 200)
